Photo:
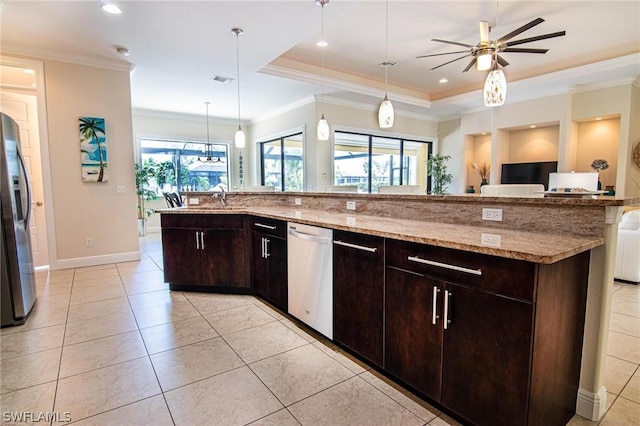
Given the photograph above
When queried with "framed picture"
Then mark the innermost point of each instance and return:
(93, 149)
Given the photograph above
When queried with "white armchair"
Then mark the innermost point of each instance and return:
(628, 249)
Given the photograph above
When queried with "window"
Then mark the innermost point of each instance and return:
(185, 166)
(372, 161)
(281, 163)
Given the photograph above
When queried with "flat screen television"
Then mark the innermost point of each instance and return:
(537, 172)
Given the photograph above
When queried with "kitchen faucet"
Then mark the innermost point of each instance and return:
(222, 195)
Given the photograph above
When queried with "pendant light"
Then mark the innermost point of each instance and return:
(495, 87)
(323, 125)
(207, 151)
(240, 138)
(385, 113)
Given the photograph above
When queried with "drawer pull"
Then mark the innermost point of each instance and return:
(355, 246)
(202, 240)
(197, 241)
(447, 321)
(435, 317)
(445, 265)
(260, 225)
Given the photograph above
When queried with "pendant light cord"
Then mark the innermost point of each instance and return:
(238, 71)
(208, 153)
(386, 49)
(322, 48)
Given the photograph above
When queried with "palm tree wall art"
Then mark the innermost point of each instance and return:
(93, 148)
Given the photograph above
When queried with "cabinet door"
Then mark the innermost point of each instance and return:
(224, 259)
(413, 343)
(358, 286)
(277, 263)
(486, 359)
(182, 256)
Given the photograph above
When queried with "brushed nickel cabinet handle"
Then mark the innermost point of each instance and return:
(260, 225)
(202, 240)
(435, 316)
(197, 241)
(447, 296)
(355, 246)
(445, 265)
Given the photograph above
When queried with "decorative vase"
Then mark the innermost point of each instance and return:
(610, 190)
(470, 190)
(142, 227)
(484, 182)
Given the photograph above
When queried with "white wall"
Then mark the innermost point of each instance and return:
(80, 209)
(450, 143)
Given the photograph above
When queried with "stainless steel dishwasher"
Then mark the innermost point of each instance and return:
(310, 269)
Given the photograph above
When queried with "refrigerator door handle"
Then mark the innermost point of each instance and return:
(28, 185)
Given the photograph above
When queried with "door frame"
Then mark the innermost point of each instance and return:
(43, 133)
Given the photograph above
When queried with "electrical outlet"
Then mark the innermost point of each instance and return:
(194, 201)
(351, 221)
(493, 240)
(297, 201)
(121, 190)
(89, 242)
(494, 215)
(351, 205)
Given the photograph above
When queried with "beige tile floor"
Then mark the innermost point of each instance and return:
(111, 345)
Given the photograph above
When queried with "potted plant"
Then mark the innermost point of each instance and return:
(437, 169)
(144, 173)
(483, 171)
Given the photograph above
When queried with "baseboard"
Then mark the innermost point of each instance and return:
(80, 262)
(592, 406)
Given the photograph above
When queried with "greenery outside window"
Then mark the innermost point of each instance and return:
(282, 163)
(182, 166)
(371, 161)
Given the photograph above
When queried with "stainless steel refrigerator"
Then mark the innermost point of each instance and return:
(16, 268)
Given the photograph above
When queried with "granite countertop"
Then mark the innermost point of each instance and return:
(528, 246)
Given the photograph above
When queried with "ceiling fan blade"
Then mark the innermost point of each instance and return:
(451, 42)
(447, 63)
(536, 38)
(522, 29)
(502, 61)
(484, 32)
(441, 54)
(472, 63)
(524, 50)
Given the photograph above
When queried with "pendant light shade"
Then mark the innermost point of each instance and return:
(386, 115)
(323, 129)
(495, 88)
(240, 139)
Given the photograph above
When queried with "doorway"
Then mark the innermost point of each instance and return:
(19, 100)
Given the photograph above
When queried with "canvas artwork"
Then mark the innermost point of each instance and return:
(93, 148)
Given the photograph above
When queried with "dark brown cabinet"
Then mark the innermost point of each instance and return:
(269, 260)
(205, 252)
(471, 331)
(358, 289)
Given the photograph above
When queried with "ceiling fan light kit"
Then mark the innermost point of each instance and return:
(495, 88)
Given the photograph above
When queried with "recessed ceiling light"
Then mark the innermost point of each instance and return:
(443, 80)
(533, 126)
(221, 79)
(484, 133)
(111, 8)
(123, 51)
(598, 118)
(322, 43)
(29, 71)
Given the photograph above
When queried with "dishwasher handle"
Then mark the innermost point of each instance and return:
(308, 237)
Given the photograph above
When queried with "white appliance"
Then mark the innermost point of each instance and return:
(310, 268)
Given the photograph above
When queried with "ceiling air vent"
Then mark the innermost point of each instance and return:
(221, 79)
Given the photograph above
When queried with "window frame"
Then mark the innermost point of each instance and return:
(260, 150)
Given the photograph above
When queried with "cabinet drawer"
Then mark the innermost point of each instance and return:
(277, 228)
(202, 221)
(509, 277)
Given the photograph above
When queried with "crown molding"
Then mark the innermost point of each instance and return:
(327, 99)
(184, 117)
(623, 81)
(287, 108)
(56, 55)
(341, 84)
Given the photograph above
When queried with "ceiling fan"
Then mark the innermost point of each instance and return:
(485, 50)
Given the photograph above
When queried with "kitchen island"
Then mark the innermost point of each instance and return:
(521, 320)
